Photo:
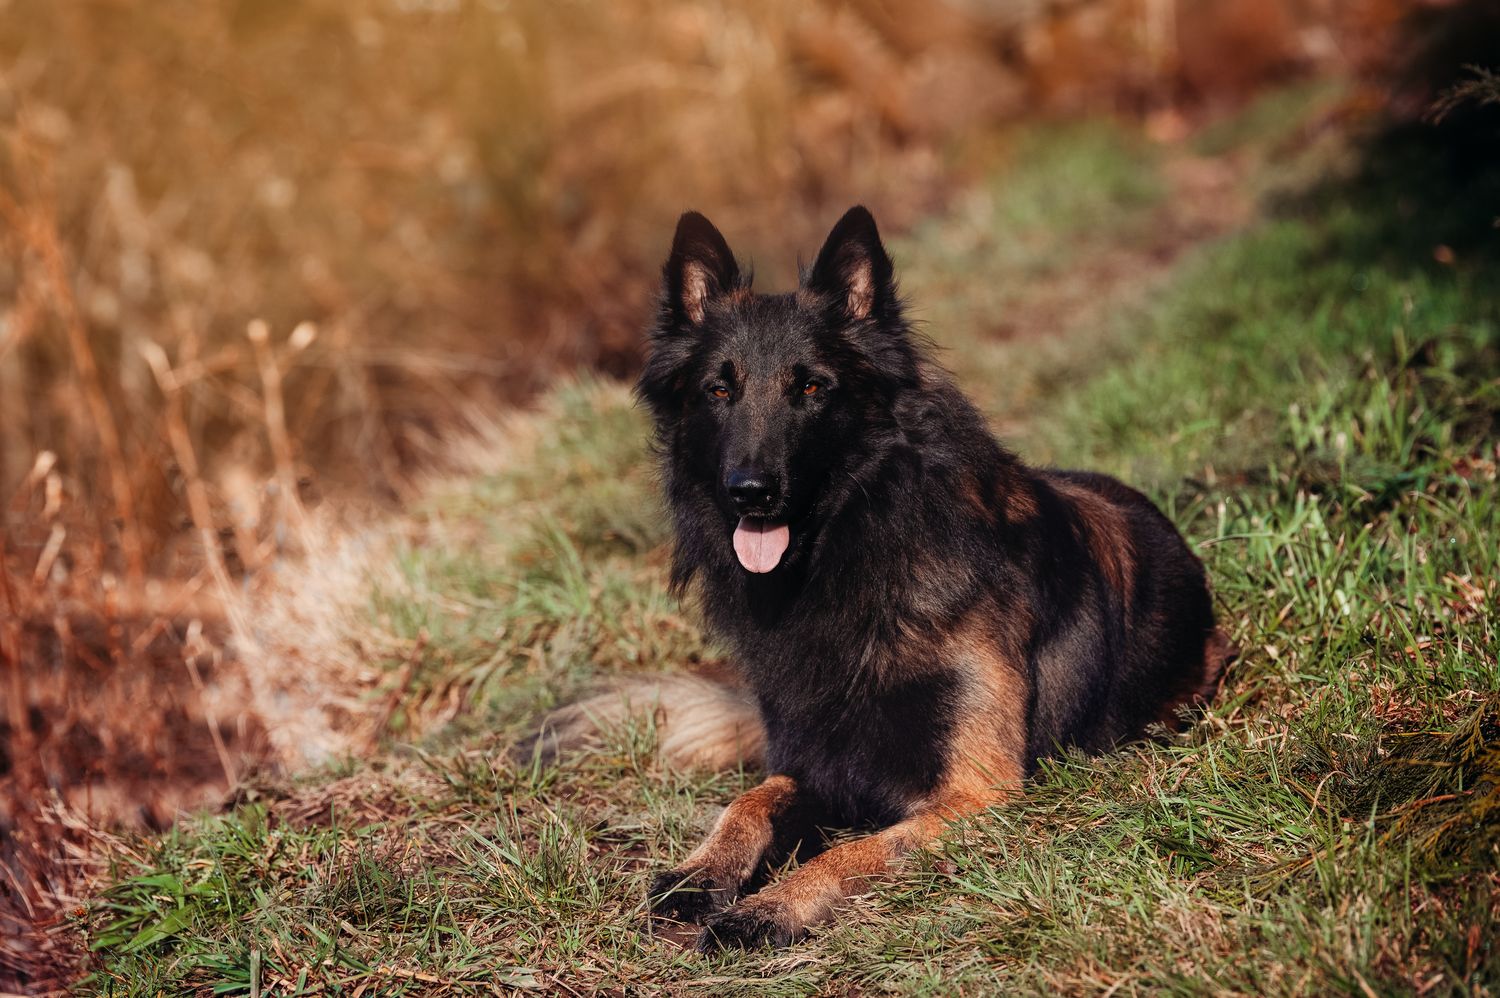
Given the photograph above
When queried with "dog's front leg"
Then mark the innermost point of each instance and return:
(712, 877)
(782, 913)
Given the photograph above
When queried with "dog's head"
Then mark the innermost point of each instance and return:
(766, 405)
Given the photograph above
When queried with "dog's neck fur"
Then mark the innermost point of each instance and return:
(914, 458)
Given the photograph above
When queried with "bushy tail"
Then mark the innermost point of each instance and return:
(700, 724)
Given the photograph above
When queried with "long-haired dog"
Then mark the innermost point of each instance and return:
(918, 617)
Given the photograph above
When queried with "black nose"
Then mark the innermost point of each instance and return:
(750, 489)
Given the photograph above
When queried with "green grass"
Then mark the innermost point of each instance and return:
(1271, 119)
(1323, 428)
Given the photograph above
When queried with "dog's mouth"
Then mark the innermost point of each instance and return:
(760, 544)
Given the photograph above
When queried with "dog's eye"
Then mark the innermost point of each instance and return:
(719, 392)
(811, 388)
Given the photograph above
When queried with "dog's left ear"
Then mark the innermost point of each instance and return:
(853, 267)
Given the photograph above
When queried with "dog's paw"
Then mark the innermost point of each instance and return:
(749, 925)
(688, 895)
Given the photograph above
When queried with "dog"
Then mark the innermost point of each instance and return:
(917, 617)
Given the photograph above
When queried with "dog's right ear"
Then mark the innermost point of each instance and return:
(700, 269)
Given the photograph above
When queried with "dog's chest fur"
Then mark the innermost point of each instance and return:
(860, 697)
(867, 753)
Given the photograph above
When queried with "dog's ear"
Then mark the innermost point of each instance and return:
(853, 267)
(700, 269)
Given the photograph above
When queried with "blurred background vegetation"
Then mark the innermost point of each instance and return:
(464, 198)
(257, 255)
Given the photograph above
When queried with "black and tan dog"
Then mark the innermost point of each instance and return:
(918, 617)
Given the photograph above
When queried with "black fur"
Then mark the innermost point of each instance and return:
(906, 520)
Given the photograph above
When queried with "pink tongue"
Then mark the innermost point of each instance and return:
(760, 545)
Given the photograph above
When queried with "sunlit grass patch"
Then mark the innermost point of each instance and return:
(533, 581)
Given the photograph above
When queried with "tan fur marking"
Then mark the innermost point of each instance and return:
(695, 285)
(813, 892)
(861, 294)
(743, 832)
(988, 753)
(987, 767)
(1020, 503)
(1108, 536)
(970, 494)
(859, 297)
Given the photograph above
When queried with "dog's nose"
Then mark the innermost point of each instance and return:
(750, 489)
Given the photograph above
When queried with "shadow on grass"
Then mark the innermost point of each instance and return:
(1427, 192)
